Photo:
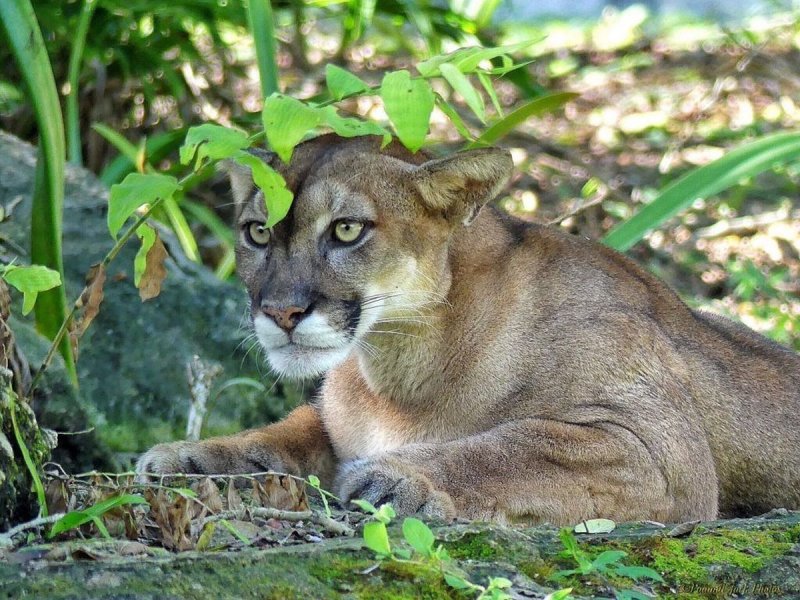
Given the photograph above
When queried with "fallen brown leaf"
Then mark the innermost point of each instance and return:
(281, 492)
(88, 303)
(208, 496)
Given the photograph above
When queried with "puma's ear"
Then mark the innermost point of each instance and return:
(461, 184)
(241, 177)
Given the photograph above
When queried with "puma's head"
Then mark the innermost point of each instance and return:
(365, 242)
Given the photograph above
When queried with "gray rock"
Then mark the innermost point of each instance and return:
(132, 363)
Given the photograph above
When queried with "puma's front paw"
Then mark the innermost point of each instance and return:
(388, 480)
(210, 457)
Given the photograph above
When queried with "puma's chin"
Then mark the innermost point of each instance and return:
(304, 362)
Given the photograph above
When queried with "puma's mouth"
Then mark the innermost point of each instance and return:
(309, 350)
(303, 362)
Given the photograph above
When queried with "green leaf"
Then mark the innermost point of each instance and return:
(343, 83)
(538, 106)
(286, 121)
(419, 536)
(403, 553)
(454, 117)
(76, 518)
(635, 572)
(134, 191)
(365, 506)
(385, 514)
(350, 127)
(25, 40)
(214, 142)
(262, 28)
(235, 532)
(559, 594)
(30, 281)
(277, 197)
(743, 162)
(376, 538)
(467, 60)
(500, 583)
(148, 237)
(457, 582)
(459, 82)
(408, 103)
(595, 526)
(607, 558)
(489, 87)
(313, 480)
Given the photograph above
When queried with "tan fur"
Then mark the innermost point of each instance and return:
(519, 373)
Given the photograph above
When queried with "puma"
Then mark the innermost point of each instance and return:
(483, 367)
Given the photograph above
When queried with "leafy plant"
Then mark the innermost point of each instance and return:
(607, 563)
(324, 494)
(93, 514)
(27, 44)
(422, 552)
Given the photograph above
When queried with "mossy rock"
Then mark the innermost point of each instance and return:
(17, 500)
(746, 558)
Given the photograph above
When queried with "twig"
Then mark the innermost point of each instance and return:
(6, 538)
(748, 223)
(285, 515)
(201, 375)
(596, 199)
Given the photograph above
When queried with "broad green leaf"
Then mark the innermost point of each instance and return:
(134, 191)
(595, 526)
(459, 82)
(376, 538)
(350, 127)
(454, 117)
(313, 480)
(408, 103)
(30, 281)
(538, 106)
(214, 142)
(635, 572)
(607, 558)
(418, 535)
(148, 237)
(700, 183)
(343, 83)
(286, 121)
(277, 197)
(76, 518)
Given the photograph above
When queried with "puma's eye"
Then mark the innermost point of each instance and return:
(347, 232)
(257, 233)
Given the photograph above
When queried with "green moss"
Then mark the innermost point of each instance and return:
(474, 546)
(392, 581)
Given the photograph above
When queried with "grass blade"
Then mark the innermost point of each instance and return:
(538, 106)
(259, 17)
(75, 61)
(27, 45)
(743, 162)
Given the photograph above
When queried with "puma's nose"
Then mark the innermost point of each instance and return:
(286, 318)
